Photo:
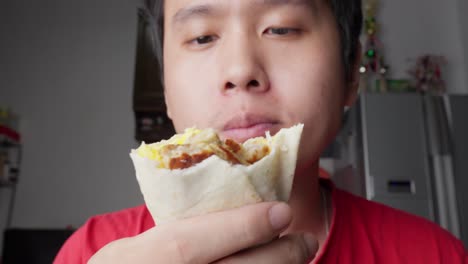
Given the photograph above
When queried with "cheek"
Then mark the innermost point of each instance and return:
(311, 91)
(321, 114)
(191, 84)
(310, 87)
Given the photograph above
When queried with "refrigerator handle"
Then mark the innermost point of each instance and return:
(445, 189)
(369, 179)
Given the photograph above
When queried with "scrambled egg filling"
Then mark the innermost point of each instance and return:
(195, 145)
(153, 151)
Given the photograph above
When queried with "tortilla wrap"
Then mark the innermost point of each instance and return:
(215, 184)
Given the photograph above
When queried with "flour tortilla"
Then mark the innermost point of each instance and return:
(215, 184)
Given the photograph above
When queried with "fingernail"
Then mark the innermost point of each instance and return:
(280, 216)
(311, 243)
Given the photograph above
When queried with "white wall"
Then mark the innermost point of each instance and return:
(412, 28)
(463, 20)
(67, 69)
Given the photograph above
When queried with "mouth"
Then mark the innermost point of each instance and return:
(244, 127)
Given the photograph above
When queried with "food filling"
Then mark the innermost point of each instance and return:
(194, 146)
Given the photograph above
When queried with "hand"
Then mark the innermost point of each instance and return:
(243, 235)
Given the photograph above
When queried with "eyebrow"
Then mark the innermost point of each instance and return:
(203, 10)
(186, 13)
(284, 2)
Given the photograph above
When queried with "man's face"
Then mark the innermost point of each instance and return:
(247, 66)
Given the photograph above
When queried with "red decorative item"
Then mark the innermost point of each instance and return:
(427, 74)
(10, 133)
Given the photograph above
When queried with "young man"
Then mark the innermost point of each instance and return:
(244, 67)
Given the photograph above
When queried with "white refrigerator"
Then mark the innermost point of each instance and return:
(408, 151)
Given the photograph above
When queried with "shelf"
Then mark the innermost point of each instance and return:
(7, 184)
(10, 152)
(9, 144)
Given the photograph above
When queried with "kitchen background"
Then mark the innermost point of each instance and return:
(67, 70)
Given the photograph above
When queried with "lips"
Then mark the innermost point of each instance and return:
(246, 126)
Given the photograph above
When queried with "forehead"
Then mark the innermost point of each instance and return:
(181, 7)
(254, 2)
(180, 12)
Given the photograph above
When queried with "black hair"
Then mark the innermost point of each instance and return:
(348, 15)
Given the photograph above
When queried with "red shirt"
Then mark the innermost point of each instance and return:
(361, 232)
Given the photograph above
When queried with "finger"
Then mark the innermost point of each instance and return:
(214, 236)
(288, 249)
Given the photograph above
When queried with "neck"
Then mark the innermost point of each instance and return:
(306, 204)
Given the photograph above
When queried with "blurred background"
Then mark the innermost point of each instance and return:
(78, 91)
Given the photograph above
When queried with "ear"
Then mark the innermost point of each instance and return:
(168, 112)
(168, 107)
(353, 84)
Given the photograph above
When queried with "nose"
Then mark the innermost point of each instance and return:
(242, 67)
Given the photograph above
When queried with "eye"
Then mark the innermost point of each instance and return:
(203, 40)
(282, 31)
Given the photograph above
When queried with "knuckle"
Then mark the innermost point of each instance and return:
(225, 261)
(251, 230)
(297, 251)
(181, 250)
(110, 251)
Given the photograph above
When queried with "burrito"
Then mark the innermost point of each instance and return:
(196, 172)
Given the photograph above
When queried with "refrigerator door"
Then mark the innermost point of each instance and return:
(458, 116)
(441, 160)
(395, 152)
